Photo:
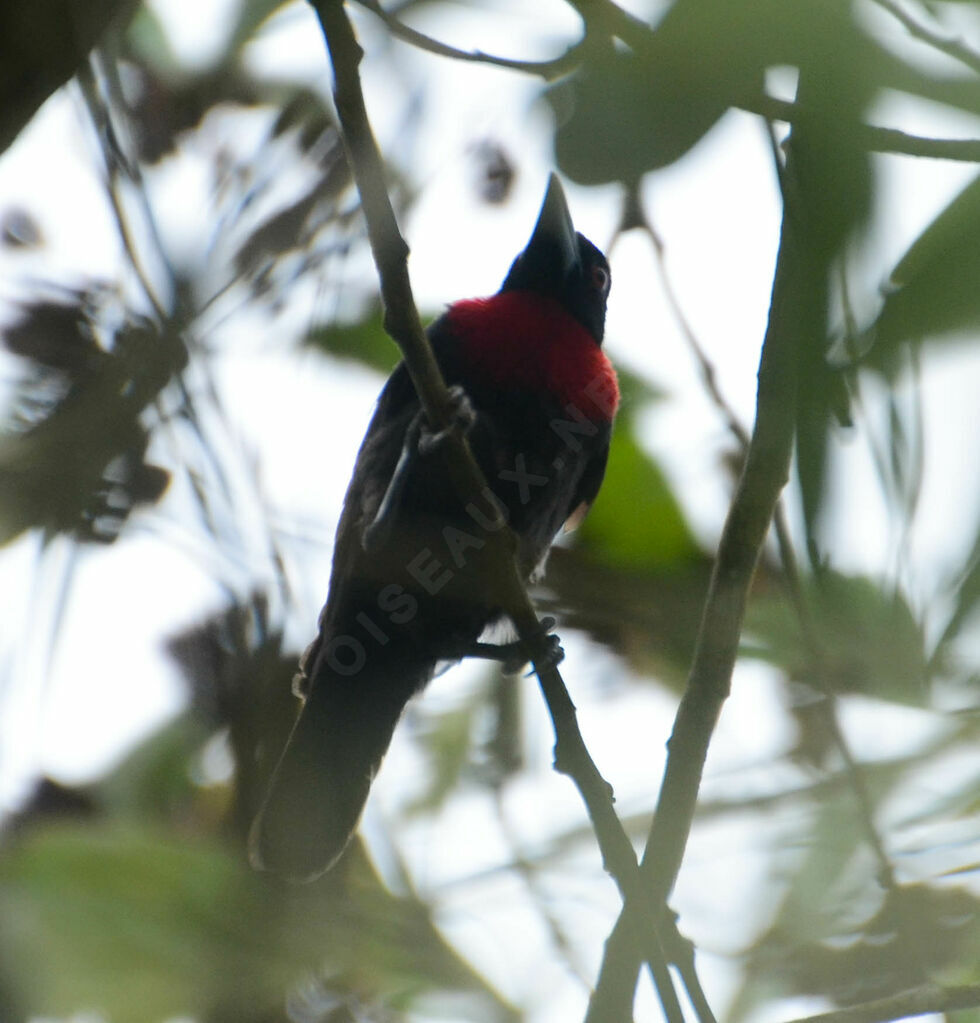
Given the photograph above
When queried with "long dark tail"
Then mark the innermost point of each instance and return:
(320, 786)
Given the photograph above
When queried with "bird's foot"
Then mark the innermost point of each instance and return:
(542, 648)
(462, 416)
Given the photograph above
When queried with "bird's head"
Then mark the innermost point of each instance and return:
(560, 263)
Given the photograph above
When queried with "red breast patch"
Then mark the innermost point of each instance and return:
(522, 340)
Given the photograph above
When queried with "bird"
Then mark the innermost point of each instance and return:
(413, 577)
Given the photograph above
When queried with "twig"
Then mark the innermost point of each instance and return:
(817, 656)
(546, 69)
(916, 1002)
(101, 93)
(403, 324)
(608, 17)
(794, 310)
(98, 111)
(872, 137)
(708, 375)
(786, 553)
(951, 46)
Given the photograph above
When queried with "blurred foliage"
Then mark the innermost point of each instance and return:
(42, 44)
(932, 293)
(74, 459)
(857, 638)
(364, 341)
(147, 924)
(131, 897)
(838, 933)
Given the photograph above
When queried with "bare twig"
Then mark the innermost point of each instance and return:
(950, 45)
(871, 137)
(403, 324)
(101, 92)
(606, 17)
(818, 659)
(706, 368)
(546, 69)
(919, 1001)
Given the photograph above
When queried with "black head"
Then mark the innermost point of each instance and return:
(563, 264)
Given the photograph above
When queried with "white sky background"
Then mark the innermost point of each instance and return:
(717, 211)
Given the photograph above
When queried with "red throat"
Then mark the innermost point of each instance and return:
(521, 340)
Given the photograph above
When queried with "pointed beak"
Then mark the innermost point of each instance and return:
(554, 234)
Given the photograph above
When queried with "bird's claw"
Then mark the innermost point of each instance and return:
(462, 416)
(541, 648)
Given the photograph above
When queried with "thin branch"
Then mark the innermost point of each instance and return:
(546, 69)
(403, 324)
(919, 1001)
(528, 870)
(950, 45)
(795, 309)
(114, 158)
(790, 566)
(709, 376)
(818, 658)
(607, 17)
(871, 137)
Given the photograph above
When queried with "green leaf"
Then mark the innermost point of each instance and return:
(140, 926)
(636, 520)
(447, 743)
(934, 293)
(134, 926)
(628, 112)
(838, 933)
(865, 639)
(364, 341)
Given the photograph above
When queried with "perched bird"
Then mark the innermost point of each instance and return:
(413, 568)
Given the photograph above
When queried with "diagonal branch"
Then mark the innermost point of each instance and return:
(402, 322)
(792, 316)
(791, 572)
(871, 136)
(927, 1000)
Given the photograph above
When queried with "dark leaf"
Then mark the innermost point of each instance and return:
(933, 291)
(76, 462)
(291, 229)
(630, 112)
(240, 679)
(42, 44)
(147, 926)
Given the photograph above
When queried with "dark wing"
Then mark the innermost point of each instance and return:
(397, 406)
(591, 481)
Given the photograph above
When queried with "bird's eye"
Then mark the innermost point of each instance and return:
(600, 278)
